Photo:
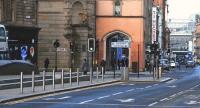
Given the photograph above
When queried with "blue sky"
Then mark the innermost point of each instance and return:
(183, 9)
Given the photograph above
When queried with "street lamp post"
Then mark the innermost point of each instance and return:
(56, 44)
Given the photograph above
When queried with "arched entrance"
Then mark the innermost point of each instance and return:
(117, 47)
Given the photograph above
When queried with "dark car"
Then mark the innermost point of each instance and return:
(164, 63)
(14, 67)
(190, 64)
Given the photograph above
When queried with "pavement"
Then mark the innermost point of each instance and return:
(7, 95)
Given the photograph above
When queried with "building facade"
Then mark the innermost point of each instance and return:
(20, 19)
(197, 42)
(181, 34)
(123, 22)
(71, 22)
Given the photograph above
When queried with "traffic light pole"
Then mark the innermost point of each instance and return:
(92, 62)
(56, 61)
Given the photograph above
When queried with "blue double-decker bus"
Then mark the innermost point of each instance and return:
(183, 56)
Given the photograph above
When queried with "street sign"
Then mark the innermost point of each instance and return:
(120, 44)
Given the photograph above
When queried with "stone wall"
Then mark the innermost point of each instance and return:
(51, 20)
(55, 20)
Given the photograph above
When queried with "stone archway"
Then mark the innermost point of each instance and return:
(115, 54)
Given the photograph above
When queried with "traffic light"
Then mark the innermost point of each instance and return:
(71, 46)
(97, 44)
(56, 44)
(154, 48)
(91, 44)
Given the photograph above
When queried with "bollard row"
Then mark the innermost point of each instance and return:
(62, 79)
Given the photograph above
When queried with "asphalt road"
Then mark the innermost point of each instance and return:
(181, 92)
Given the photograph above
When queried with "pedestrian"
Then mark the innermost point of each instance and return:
(46, 64)
(119, 63)
(103, 65)
(126, 61)
(84, 66)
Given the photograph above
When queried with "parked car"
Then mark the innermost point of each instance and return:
(164, 63)
(190, 64)
(172, 64)
(15, 67)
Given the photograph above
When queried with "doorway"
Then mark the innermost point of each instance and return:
(115, 54)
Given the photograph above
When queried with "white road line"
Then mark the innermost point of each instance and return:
(65, 97)
(148, 86)
(130, 90)
(171, 81)
(131, 84)
(155, 84)
(195, 86)
(153, 104)
(86, 101)
(47, 99)
(117, 93)
(180, 93)
(103, 97)
(173, 95)
(164, 99)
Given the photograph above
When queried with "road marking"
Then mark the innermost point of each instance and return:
(164, 99)
(148, 86)
(173, 86)
(86, 101)
(131, 84)
(117, 93)
(126, 100)
(47, 99)
(153, 104)
(173, 95)
(139, 88)
(195, 86)
(192, 102)
(130, 90)
(171, 81)
(66, 97)
(103, 97)
(155, 84)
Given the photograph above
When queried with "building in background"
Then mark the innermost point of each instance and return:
(181, 34)
(196, 41)
(20, 19)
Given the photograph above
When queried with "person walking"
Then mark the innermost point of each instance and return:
(84, 67)
(119, 64)
(46, 64)
(103, 65)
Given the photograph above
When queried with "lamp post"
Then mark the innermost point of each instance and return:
(56, 44)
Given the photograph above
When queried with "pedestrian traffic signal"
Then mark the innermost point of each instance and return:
(91, 44)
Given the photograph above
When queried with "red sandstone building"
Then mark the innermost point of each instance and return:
(120, 23)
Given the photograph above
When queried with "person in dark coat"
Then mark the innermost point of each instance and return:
(119, 63)
(103, 64)
(46, 63)
(84, 67)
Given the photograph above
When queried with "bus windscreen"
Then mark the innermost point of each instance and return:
(2, 34)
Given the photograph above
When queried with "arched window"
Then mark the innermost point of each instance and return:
(77, 8)
(117, 10)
